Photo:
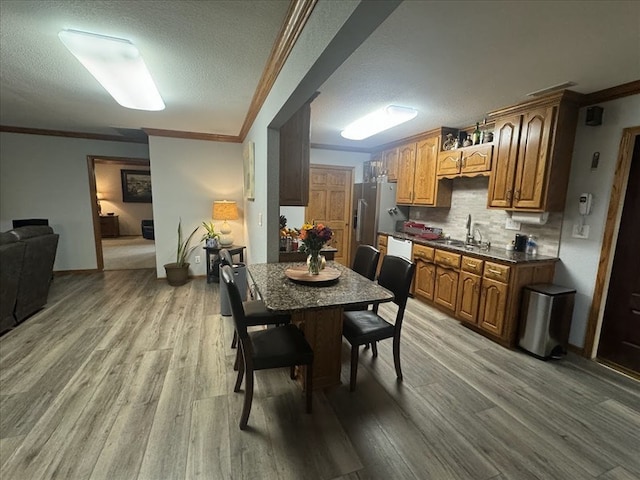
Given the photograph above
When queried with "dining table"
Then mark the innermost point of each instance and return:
(316, 306)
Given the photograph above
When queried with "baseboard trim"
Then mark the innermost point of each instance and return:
(576, 350)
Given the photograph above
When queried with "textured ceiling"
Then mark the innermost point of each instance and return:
(453, 61)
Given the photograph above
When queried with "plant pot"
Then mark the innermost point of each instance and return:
(177, 275)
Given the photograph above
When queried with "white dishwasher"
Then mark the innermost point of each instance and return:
(399, 248)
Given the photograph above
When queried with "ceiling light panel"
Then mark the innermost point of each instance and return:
(116, 63)
(378, 121)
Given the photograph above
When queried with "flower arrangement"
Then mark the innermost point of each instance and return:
(314, 236)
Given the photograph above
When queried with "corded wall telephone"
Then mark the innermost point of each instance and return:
(585, 203)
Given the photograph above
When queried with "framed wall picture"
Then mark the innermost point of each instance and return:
(136, 186)
(249, 171)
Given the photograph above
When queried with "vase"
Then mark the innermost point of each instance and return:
(315, 262)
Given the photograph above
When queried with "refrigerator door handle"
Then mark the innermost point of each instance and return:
(362, 204)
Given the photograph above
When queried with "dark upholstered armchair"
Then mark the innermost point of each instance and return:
(11, 258)
(147, 229)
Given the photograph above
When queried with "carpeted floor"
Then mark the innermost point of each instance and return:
(128, 253)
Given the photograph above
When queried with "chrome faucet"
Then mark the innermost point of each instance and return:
(469, 240)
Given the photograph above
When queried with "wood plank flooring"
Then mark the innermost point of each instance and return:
(124, 377)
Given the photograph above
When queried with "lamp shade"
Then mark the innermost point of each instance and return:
(225, 210)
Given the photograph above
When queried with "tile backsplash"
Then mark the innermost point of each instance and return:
(470, 197)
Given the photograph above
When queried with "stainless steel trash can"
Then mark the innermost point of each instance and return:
(546, 319)
(240, 278)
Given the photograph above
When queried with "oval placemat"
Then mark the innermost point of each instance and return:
(301, 274)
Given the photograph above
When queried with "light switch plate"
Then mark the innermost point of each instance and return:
(580, 232)
(511, 224)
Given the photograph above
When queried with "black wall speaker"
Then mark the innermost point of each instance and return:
(594, 116)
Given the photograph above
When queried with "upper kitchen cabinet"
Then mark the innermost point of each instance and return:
(406, 173)
(467, 161)
(390, 164)
(532, 154)
(294, 158)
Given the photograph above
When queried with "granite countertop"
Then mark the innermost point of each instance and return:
(494, 253)
(281, 294)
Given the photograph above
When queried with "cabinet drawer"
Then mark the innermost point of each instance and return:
(423, 252)
(498, 272)
(473, 265)
(447, 259)
(382, 240)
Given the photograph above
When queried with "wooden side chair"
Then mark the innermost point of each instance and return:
(363, 327)
(277, 347)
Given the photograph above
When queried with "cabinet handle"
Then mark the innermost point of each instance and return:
(516, 195)
(470, 264)
(496, 272)
(509, 195)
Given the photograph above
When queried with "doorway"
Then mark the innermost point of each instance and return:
(122, 216)
(330, 198)
(619, 343)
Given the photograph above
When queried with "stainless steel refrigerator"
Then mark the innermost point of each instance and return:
(374, 210)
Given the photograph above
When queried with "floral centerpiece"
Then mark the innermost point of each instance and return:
(313, 237)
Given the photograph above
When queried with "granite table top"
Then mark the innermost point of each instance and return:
(493, 253)
(280, 294)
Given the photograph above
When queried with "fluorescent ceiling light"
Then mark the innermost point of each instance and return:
(116, 63)
(378, 121)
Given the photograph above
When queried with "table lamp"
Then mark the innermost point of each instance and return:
(225, 210)
(99, 196)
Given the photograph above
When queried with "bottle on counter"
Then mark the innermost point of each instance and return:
(532, 246)
(476, 134)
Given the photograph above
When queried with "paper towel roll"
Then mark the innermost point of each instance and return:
(530, 218)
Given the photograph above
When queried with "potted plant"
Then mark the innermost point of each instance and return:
(178, 272)
(210, 237)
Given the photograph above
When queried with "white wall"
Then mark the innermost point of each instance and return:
(187, 176)
(295, 215)
(579, 258)
(47, 177)
(109, 184)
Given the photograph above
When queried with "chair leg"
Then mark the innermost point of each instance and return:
(240, 369)
(237, 361)
(292, 373)
(396, 357)
(234, 342)
(374, 348)
(248, 398)
(354, 367)
(309, 385)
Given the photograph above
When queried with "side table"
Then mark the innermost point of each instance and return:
(213, 260)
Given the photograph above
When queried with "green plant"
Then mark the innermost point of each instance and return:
(184, 247)
(210, 231)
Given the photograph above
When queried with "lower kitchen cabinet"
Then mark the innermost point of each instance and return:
(468, 297)
(425, 279)
(493, 306)
(382, 246)
(446, 289)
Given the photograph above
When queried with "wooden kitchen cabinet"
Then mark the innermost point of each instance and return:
(294, 158)
(390, 164)
(467, 161)
(468, 297)
(446, 288)
(532, 157)
(493, 305)
(425, 276)
(382, 246)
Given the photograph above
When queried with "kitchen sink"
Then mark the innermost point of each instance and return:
(451, 241)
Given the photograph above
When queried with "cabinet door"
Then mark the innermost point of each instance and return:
(533, 156)
(493, 304)
(477, 160)
(505, 156)
(446, 290)
(468, 297)
(390, 162)
(425, 181)
(425, 279)
(449, 163)
(406, 170)
(294, 159)
(383, 252)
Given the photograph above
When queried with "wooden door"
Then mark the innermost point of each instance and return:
(406, 170)
(533, 156)
(446, 290)
(425, 279)
(620, 335)
(493, 304)
(477, 160)
(425, 180)
(449, 162)
(468, 297)
(505, 156)
(330, 198)
(390, 162)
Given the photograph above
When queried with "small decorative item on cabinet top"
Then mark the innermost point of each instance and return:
(449, 143)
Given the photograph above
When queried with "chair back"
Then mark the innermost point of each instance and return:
(237, 310)
(366, 261)
(225, 257)
(396, 274)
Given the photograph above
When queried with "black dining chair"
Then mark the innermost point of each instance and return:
(365, 263)
(277, 347)
(363, 327)
(255, 311)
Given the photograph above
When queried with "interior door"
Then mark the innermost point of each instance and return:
(620, 335)
(330, 201)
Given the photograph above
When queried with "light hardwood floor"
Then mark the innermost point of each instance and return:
(124, 377)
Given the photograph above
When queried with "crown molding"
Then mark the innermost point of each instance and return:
(613, 93)
(68, 134)
(210, 137)
(297, 16)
